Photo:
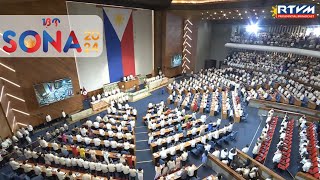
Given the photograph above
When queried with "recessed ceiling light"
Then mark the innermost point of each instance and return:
(229, 12)
(241, 17)
(317, 14)
(207, 12)
(215, 12)
(239, 14)
(265, 17)
(245, 12)
(255, 13)
(232, 17)
(214, 18)
(254, 10)
(227, 18)
(221, 11)
(248, 17)
(219, 17)
(210, 14)
(207, 18)
(224, 14)
(237, 10)
(202, 13)
(257, 17)
(263, 11)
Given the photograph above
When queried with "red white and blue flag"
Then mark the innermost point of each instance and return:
(118, 28)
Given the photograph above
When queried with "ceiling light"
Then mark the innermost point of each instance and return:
(241, 17)
(263, 11)
(257, 17)
(224, 14)
(237, 10)
(245, 12)
(255, 13)
(207, 18)
(207, 12)
(229, 12)
(215, 12)
(219, 17)
(210, 14)
(254, 10)
(202, 13)
(221, 11)
(265, 17)
(232, 17)
(214, 18)
(252, 28)
(248, 17)
(227, 18)
(239, 14)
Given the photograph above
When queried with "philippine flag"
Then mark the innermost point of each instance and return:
(118, 28)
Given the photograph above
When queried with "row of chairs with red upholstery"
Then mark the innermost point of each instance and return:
(286, 150)
(264, 149)
(312, 150)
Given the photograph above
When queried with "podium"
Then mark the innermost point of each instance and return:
(127, 85)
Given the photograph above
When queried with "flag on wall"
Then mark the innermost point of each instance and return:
(118, 28)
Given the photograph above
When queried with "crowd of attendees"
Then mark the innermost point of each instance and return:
(303, 68)
(285, 39)
(300, 82)
(96, 149)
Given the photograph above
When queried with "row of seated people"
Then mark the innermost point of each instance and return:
(173, 164)
(262, 146)
(210, 80)
(186, 172)
(309, 155)
(303, 68)
(88, 158)
(205, 102)
(231, 159)
(196, 144)
(282, 155)
(22, 139)
(270, 84)
(233, 100)
(111, 140)
(115, 96)
(184, 134)
(93, 170)
(284, 39)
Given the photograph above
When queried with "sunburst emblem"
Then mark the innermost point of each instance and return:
(29, 42)
(118, 19)
(274, 11)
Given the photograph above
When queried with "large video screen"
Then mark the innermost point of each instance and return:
(176, 60)
(50, 92)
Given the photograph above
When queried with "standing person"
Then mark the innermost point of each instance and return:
(140, 174)
(48, 118)
(204, 158)
(63, 115)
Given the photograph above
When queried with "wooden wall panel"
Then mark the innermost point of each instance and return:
(158, 37)
(30, 71)
(173, 31)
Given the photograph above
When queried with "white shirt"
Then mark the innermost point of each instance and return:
(245, 149)
(48, 118)
(96, 141)
(216, 153)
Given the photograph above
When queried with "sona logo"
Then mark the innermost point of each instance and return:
(294, 11)
(51, 36)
